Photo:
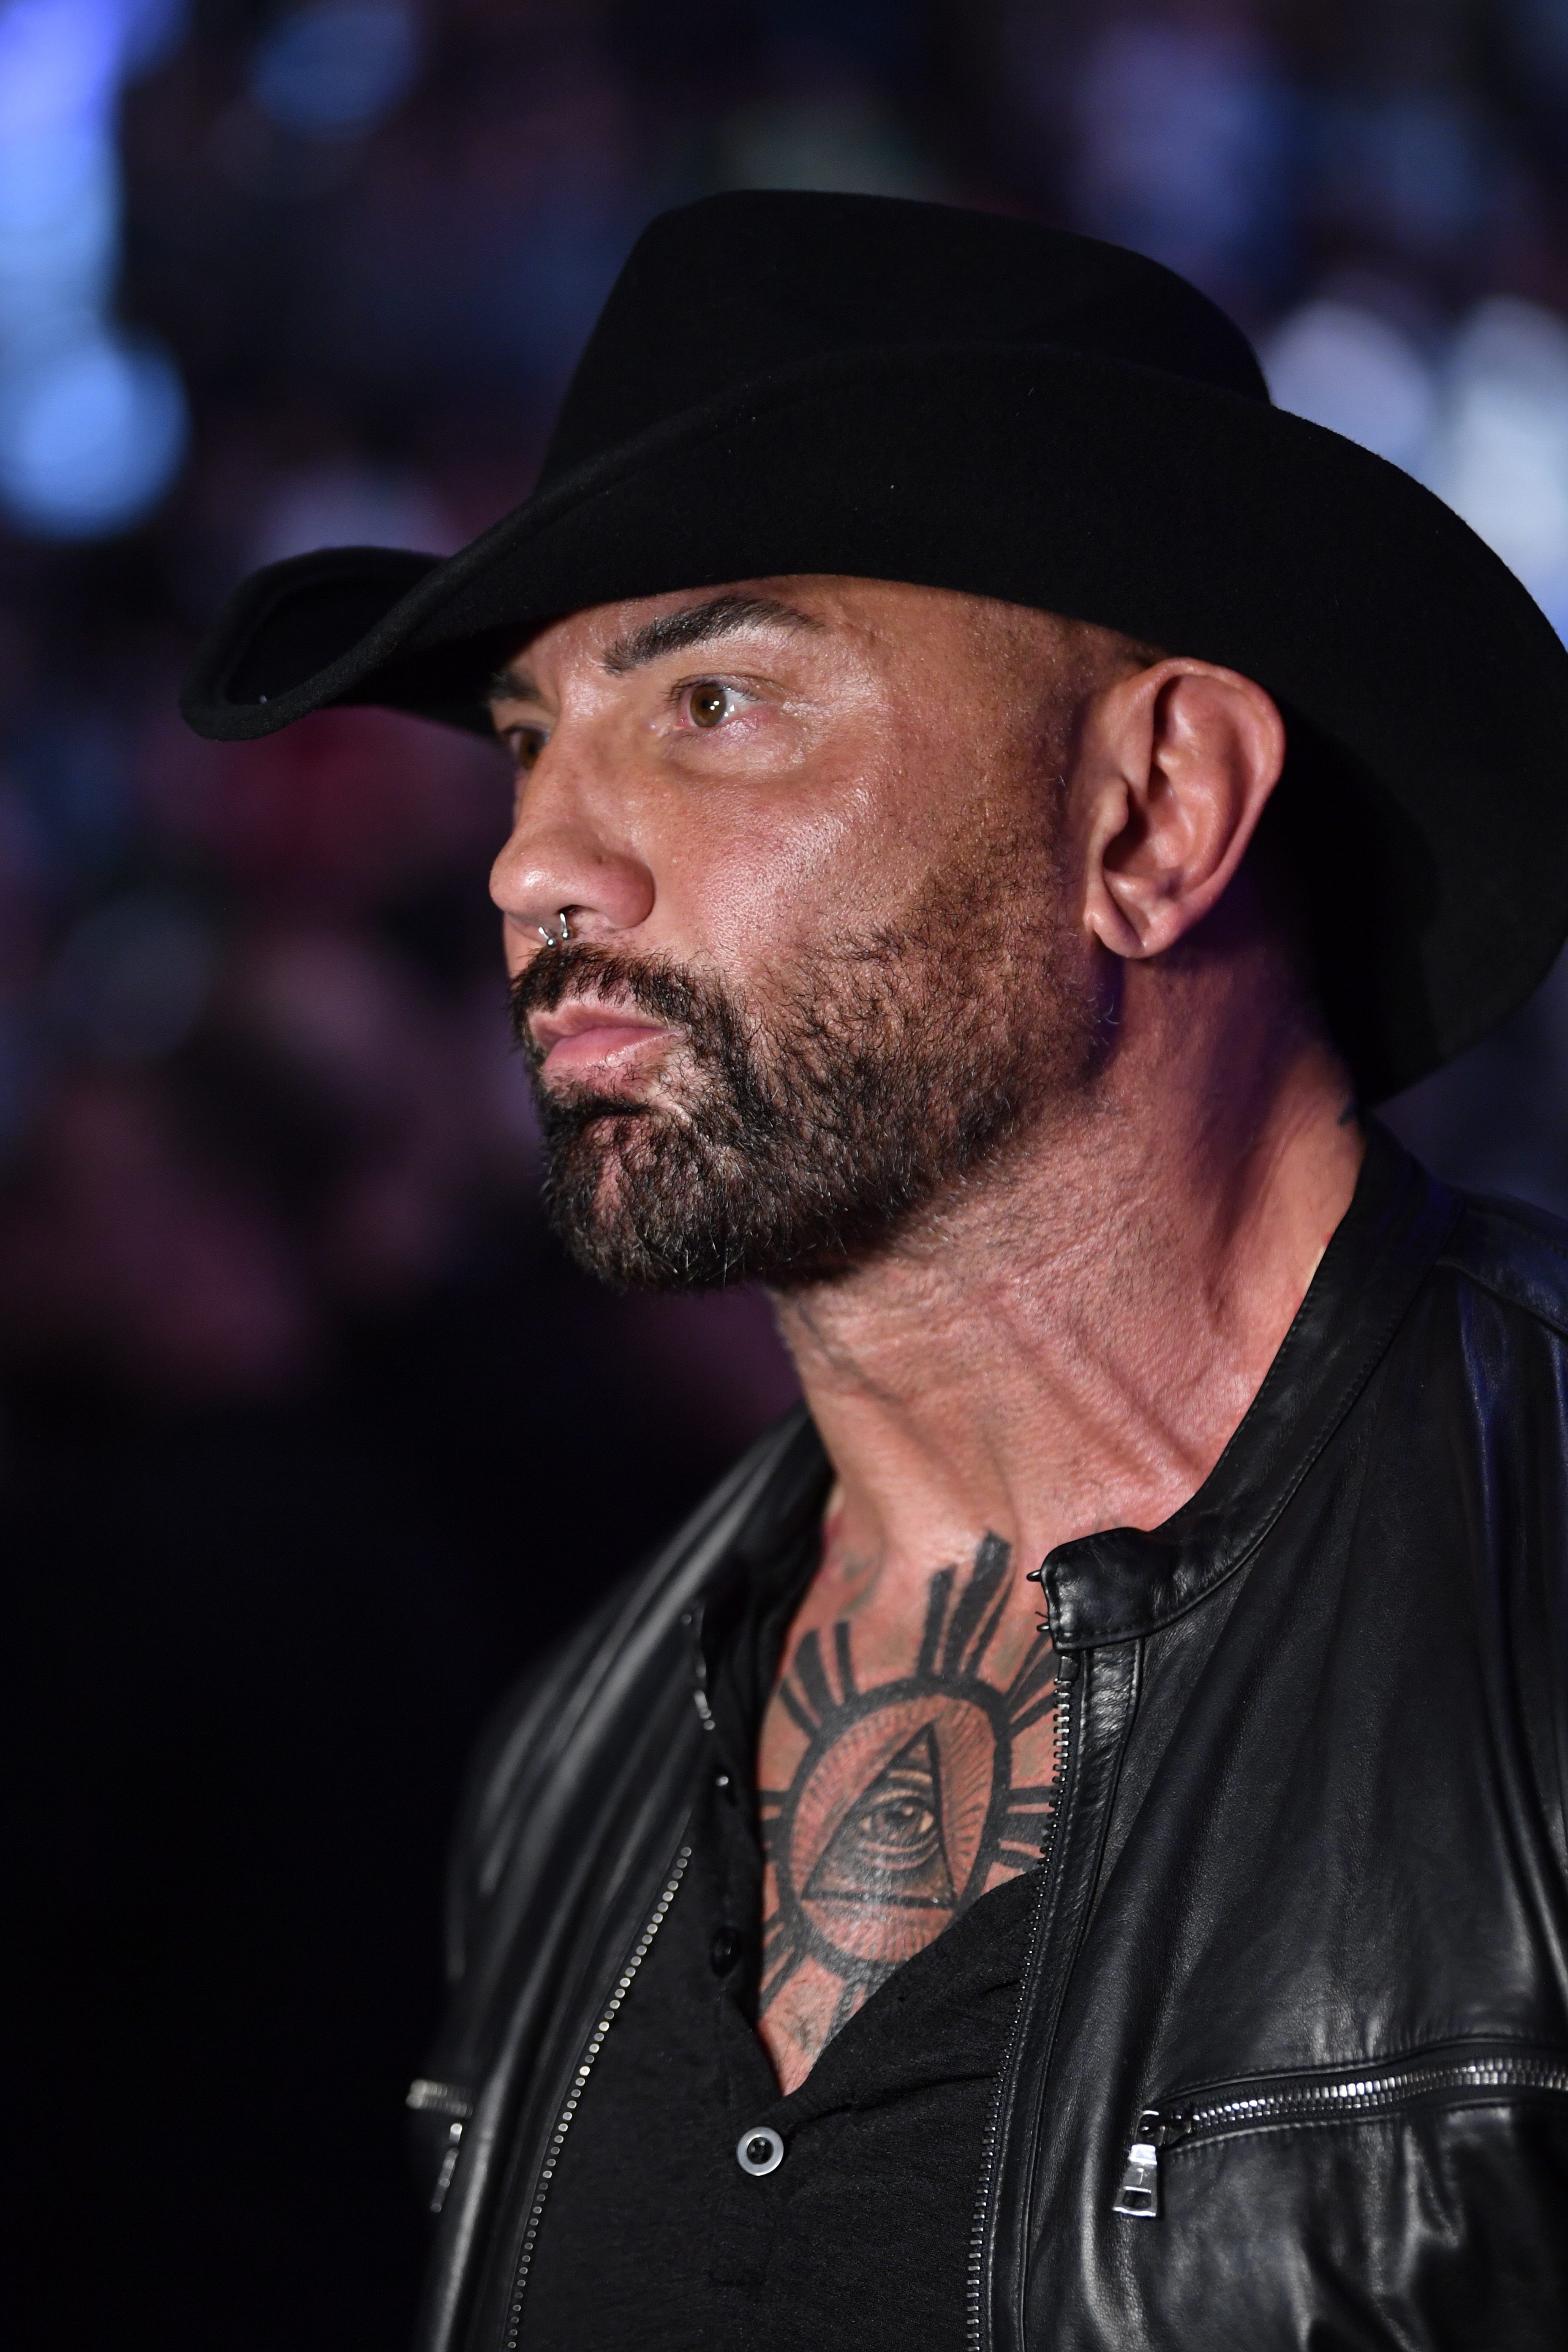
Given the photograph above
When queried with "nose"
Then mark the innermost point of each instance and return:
(564, 856)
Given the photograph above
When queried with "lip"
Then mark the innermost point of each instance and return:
(577, 1038)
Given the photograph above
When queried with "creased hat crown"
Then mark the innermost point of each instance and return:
(730, 289)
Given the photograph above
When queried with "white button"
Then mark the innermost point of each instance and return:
(759, 2150)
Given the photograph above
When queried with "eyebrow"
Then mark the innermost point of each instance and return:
(698, 624)
(511, 685)
(672, 633)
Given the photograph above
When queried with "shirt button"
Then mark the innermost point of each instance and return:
(759, 2151)
(724, 1950)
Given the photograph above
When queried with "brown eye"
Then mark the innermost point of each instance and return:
(526, 746)
(710, 704)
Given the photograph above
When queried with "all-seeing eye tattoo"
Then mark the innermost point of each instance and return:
(902, 1808)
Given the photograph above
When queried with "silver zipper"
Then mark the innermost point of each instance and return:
(1161, 2128)
(596, 2042)
(692, 1621)
(454, 2101)
(989, 2149)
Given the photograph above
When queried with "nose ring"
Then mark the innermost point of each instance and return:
(556, 938)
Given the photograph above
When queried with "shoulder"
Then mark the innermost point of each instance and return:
(1517, 1254)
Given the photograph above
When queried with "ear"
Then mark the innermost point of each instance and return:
(1175, 766)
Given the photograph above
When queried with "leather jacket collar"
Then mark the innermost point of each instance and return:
(1126, 1582)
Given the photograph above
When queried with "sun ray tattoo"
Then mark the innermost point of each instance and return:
(902, 1808)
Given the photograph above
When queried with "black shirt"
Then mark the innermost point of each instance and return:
(655, 2237)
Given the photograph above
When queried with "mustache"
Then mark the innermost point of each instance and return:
(642, 983)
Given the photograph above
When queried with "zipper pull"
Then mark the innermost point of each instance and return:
(449, 2155)
(454, 2101)
(692, 1621)
(1139, 2195)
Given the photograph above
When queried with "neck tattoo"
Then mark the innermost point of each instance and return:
(901, 1808)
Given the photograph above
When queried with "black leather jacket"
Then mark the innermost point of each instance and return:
(1301, 1941)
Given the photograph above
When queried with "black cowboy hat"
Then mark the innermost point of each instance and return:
(857, 384)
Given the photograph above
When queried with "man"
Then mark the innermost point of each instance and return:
(992, 795)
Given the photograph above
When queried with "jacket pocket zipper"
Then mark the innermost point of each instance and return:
(579, 2083)
(1238, 2108)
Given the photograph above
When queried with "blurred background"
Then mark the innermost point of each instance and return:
(308, 1437)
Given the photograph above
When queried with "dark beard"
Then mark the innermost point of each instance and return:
(810, 1131)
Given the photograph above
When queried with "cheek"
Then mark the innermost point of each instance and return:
(750, 878)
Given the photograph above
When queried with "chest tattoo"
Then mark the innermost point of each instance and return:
(909, 1797)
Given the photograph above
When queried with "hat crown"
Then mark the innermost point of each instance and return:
(737, 285)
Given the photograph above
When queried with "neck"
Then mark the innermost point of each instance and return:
(1067, 1344)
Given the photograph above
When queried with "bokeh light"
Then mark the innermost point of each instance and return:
(336, 67)
(92, 433)
(93, 423)
(1343, 366)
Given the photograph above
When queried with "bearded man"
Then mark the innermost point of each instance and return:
(994, 797)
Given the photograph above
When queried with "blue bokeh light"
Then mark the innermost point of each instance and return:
(92, 422)
(334, 68)
(91, 435)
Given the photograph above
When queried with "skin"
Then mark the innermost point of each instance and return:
(1065, 1341)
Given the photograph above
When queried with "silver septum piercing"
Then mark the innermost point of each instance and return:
(556, 938)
